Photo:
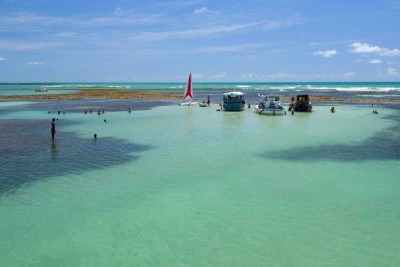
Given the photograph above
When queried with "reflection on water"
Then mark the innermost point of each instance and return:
(53, 150)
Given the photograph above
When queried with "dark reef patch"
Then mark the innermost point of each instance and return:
(384, 145)
(28, 154)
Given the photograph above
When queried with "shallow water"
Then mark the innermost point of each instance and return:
(193, 186)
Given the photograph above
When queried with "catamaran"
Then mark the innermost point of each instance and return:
(188, 93)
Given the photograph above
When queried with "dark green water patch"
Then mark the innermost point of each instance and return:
(27, 153)
(384, 145)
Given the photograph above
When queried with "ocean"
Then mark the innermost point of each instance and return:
(167, 185)
(350, 90)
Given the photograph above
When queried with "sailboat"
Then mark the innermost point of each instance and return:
(188, 93)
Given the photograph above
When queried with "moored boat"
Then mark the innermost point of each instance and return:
(233, 101)
(269, 105)
(301, 103)
(206, 103)
(188, 93)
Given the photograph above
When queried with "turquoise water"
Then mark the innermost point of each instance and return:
(372, 90)
(190, 186)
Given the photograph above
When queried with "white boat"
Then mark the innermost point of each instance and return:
(233, 101)
(269, 105)
(206, 103)
(188, 93)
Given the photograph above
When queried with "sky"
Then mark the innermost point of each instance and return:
(217, 41)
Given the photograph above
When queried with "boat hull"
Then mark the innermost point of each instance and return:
(188, 104)
(204, 105)
(233, 106)
(269, 111)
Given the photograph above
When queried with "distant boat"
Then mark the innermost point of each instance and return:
(233, 101)
(269, 105)
(301, 103)
(188, 93)
(41, 90)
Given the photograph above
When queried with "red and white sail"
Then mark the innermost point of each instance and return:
(188, 90)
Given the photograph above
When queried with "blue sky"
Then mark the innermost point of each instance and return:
(218, 41)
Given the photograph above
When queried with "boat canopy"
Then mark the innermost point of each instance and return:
(233, 94)
(271, 97)
(302, 97)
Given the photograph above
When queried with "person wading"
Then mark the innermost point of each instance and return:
(53, 128)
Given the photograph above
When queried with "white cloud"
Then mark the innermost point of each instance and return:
(205, 10)
(327, 53)
(272, 25)
(190, 33)
(248, 75)
(281, 75)
(200, 11)
(221, 75)
(390, 52)
(391, 72)
(375, 61)
(197, 75)
(2, 58)
(21, 46)
(66, 34)
(364, 48)
(367, 48)
(31, 22)
(34, 63)
(229, 48)
(118, 10)
(348, 74)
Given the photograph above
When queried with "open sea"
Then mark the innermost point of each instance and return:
(167, 185)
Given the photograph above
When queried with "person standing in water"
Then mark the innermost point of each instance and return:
(53, 128)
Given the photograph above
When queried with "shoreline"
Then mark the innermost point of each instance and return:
(143, 95)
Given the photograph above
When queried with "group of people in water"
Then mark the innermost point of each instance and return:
(53, 121)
